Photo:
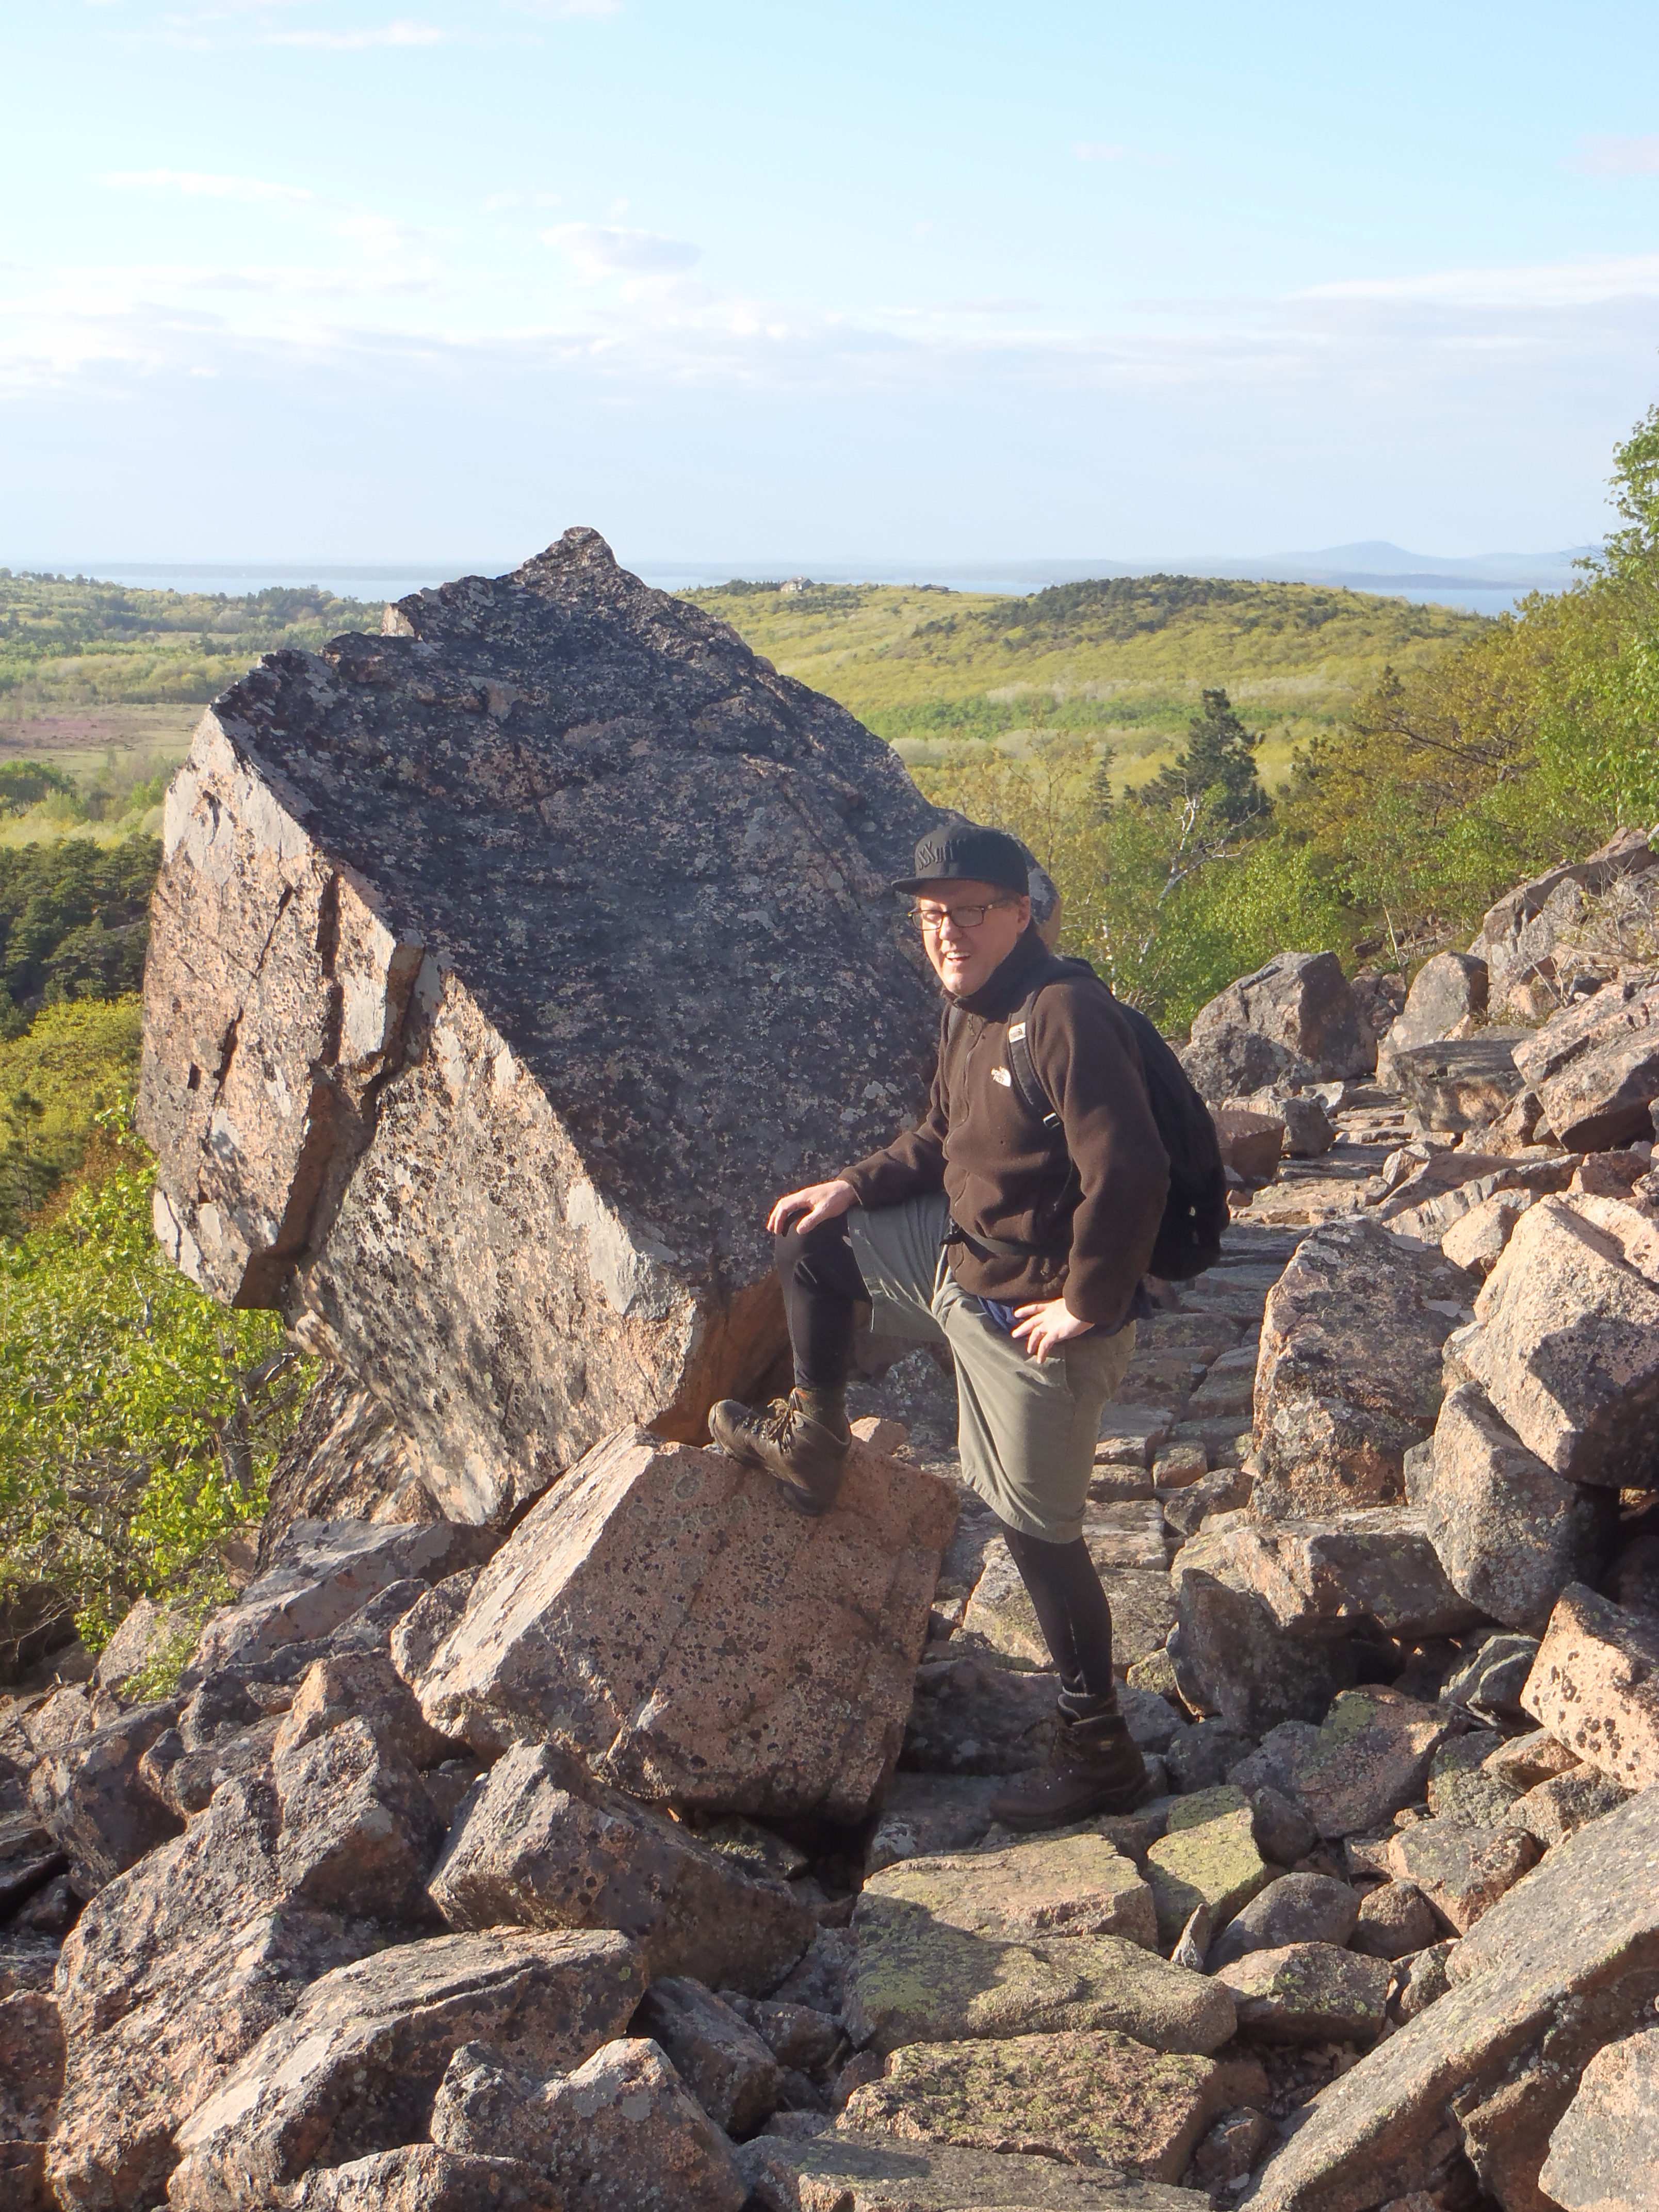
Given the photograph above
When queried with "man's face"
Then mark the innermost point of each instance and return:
(964, 957)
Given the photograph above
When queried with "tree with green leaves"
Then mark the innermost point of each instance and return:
(139, 1420)
(1215, 772)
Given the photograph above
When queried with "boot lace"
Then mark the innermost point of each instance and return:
(777, 1423)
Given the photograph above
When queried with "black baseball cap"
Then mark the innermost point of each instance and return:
(961, 852)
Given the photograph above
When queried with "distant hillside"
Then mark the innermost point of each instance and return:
(69, 643)
(1123, 660)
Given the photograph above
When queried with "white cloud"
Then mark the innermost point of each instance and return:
(1618, 157)
(567, 9)
(198, 185)
(600, 250)
(401, 34)
(1549, 285)
(1092, 150)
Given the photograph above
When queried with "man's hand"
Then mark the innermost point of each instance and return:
(1046, 1326)
(819, 1201)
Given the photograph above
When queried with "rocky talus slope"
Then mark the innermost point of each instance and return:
(574, 1828)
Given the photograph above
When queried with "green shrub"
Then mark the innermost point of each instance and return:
(139, 1420)
(73, 1063)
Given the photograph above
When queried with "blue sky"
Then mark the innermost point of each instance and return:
(297, 280)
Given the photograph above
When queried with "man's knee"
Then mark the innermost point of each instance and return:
(820, 1260)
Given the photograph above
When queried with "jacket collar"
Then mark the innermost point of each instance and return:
(1007, 986)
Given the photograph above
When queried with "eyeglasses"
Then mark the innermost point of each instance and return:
(934, 918)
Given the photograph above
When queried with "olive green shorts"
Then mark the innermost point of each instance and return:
(1028, 1432)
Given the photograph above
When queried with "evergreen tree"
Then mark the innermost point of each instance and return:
(1102, 805)
(1216, 769)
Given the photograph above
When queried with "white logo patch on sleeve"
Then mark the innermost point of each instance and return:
(1001, 1075)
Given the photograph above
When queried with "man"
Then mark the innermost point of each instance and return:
(1022, 1248)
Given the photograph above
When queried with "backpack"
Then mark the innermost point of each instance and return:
(1196, 1213)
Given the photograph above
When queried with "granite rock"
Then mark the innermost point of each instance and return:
(1461, 1869)
(1566, 1346)
(1088, 2100)
(1476, 1240)
(1375, 1563)
(1525, 1760)
(1251, 1143)
(1557, 1809)
(172, 1972)
(1562, 1965)
(1604, 2152)
(1448, 994)
(359, 1832)
(85, 1793)
(1214, 1863)
(1308, 1993)
(925, 1815)
(423, 2178)
(1595, 1686)
(1302, 1908)
(405, 1020)
(1468, 1083)
(666, 1616)
(356, 2067)
(322, 1573)
(1349, 1370)
(1509, 1532)
(1488, 1680)
(1370, 1756)
(1299, 1001)
(915, 1980)
(1595, 1065)
(1396, 1921)
(539, 1843)
(1518, 936)
(846, 2170)
(1234, 1661)
(1071, 1885)
(619, 2133)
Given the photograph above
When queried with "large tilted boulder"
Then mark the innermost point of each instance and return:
(1564, 1963)
(346, 1460)
(1596, 1066)
(1520, 937)
(500, 966)
(1447, 998)
(1565, 1341)
(1348, 1375)
(665, 1617)
(1295, 1019)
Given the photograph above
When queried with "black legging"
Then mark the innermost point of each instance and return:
(821, 1284)
(821, 1287)
(1073, 1611)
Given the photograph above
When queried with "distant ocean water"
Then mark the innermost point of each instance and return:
(389, 580)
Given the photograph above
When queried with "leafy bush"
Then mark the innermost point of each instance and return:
(139, 1420)
(75, 1062)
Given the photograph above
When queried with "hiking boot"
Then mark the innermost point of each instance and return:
(803, 1448)
(1094, 1767)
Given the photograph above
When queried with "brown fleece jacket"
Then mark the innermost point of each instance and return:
(1005, 1177)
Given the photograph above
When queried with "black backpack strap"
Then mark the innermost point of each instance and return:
(1022, 1068)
